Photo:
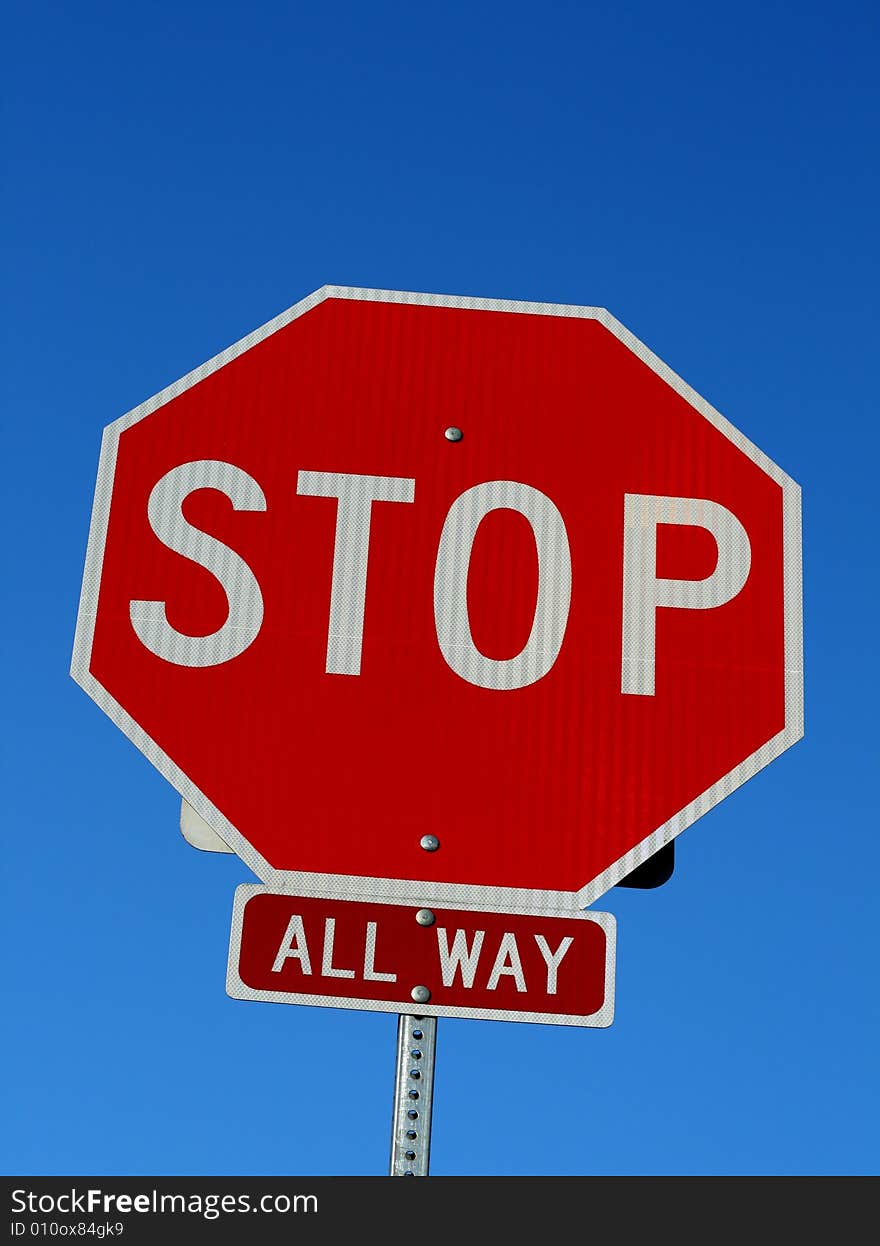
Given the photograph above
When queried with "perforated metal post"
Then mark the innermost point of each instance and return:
(413, 1096)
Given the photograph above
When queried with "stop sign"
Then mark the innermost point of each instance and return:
(443, 599)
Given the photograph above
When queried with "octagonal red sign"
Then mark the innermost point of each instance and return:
(443, 598)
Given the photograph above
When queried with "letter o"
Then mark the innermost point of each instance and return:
(450, 586)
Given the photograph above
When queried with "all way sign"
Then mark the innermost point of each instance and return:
(439, 962)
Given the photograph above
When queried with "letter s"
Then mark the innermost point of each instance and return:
(245, 618)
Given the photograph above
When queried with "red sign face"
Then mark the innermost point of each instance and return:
(432, 962)
(443, 599)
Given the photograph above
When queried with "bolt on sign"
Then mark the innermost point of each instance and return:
(454, 601)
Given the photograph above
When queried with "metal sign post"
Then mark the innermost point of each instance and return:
(413, 1096)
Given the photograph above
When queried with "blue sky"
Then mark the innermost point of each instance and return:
(177, 175)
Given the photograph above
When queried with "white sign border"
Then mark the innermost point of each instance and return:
(456, 895)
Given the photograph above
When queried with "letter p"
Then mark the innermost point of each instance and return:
(644, 593)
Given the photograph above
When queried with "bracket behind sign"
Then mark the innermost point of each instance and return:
(651, 873)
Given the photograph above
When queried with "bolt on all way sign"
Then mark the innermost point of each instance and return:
(458, 602)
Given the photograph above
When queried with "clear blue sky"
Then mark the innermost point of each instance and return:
(176, 175)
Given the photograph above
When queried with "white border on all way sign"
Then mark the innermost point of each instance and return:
(600, 1019)
(424, 891)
